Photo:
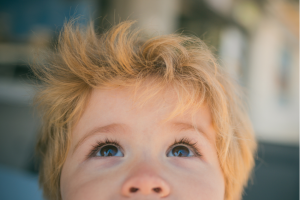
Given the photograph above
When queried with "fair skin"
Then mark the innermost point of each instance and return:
(139, 160)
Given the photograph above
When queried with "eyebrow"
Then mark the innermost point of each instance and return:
(181, 126)
(103, 129)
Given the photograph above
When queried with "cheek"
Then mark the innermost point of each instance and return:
(96, 188)
(85, 185)
(92, 180)
(201, 181)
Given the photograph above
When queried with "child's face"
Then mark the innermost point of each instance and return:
(121, 151)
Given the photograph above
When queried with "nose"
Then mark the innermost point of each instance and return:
(145, 183)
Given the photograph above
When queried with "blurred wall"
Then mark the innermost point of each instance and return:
(274, 82)
(155, 16)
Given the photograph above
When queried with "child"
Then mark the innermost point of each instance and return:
(131, 118)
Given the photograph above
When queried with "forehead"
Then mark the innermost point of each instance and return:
(123, 105)
(165, 102)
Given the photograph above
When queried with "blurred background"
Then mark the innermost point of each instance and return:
(256, 41)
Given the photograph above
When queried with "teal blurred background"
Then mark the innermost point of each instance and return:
(256, 41)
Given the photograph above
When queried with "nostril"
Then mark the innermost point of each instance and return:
(157, 190)
(133, 190)
(144, 184)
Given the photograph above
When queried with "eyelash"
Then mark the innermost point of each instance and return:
(182, 141)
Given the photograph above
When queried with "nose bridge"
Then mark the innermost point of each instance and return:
(144, 179)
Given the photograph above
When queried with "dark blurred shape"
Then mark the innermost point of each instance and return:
(16, 185)
(26, 29)
(18, 131)
(22, 19)
(276, 174)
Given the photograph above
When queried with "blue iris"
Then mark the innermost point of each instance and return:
(109, 150)
(180, 151)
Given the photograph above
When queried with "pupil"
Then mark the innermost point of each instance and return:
(181, 151)
(108, 150)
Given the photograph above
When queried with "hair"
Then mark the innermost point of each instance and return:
(122, 56)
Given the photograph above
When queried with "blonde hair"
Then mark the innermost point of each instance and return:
(121, 56)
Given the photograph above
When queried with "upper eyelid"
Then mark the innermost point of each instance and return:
(183, 141)
(181, 144)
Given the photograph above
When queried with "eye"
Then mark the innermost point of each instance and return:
(109, 150)
(180, 151)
